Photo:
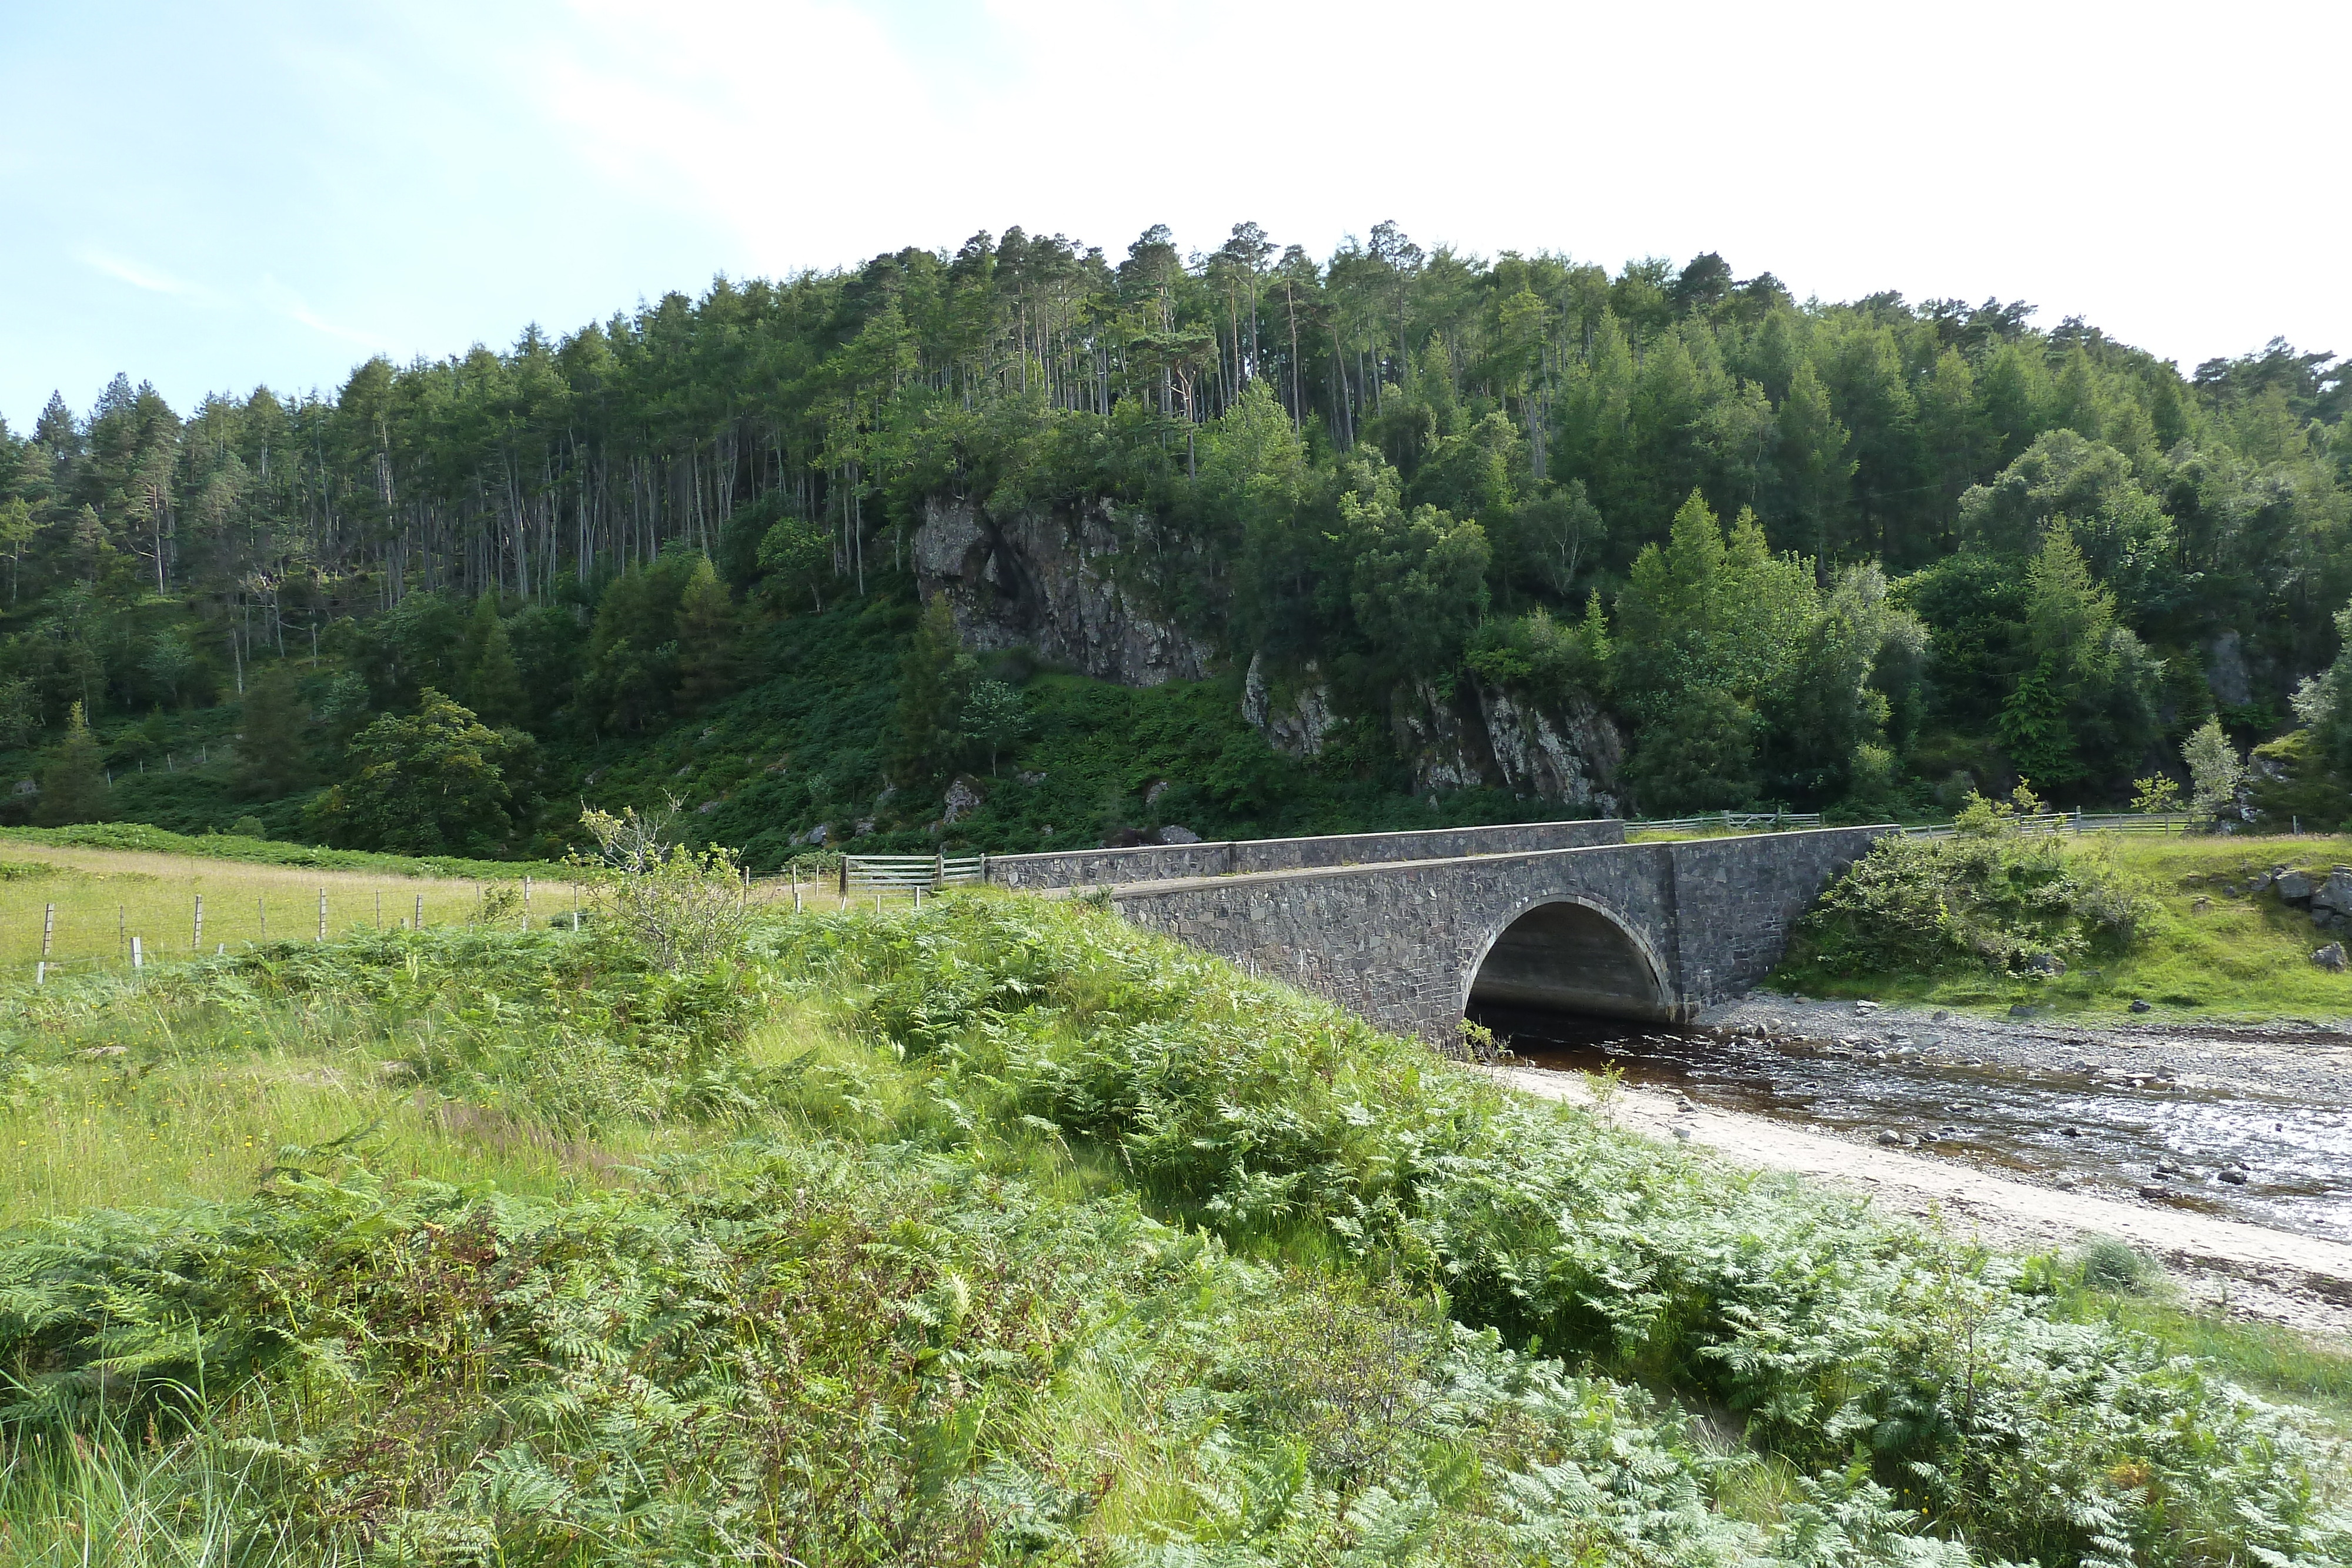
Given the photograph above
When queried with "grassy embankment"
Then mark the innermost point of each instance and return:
(1002, 1230)
(2195, 951)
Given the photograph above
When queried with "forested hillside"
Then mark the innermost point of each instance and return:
(1401, 533)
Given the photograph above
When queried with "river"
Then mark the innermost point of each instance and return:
(2161, 1123)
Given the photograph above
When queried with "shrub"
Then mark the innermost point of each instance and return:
(1996, 901)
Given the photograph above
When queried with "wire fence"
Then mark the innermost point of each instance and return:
(91, 930)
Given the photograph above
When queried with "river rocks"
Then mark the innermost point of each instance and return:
(2070, 1131)
(1890, 1138)
(2330, 958)
(2236, 1175)
(2139, 1005)
(2157, 1193)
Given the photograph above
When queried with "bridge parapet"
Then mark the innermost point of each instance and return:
(1248, 857)
(1650, 930)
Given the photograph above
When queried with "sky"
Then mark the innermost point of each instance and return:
(245, 191)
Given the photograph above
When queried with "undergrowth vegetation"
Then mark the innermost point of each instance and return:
(1002, 1230)
(2001, 903)
(2086, 924)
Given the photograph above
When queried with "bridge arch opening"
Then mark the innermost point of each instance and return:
(1568, 957)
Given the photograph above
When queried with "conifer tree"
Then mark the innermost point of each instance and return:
(705, 639)
(271, 759)
(493, 684)
(73, 780)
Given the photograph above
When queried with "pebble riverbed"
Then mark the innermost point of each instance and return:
(2253, 1125)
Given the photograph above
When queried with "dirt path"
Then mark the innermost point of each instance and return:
(2247, 1270)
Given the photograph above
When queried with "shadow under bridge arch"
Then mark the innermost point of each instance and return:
(1566, 956)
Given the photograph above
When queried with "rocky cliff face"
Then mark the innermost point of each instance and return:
(1473, 734)
(1469, 735)
(1051, 581)
(1061, 581)
(1296, 720)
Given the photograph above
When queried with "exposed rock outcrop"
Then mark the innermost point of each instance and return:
(1297, 720)
(1473, 734)
(1054, 580)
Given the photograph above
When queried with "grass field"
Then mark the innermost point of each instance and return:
(94, 900)
(2205, 952)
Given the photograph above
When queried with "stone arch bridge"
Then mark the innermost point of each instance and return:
(1409, 929)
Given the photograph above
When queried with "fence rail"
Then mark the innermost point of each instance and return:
(2082, 823)
(879, 874)
(1729, 822)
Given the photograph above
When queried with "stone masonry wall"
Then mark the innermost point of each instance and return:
(1159, 862)
(1400, 945)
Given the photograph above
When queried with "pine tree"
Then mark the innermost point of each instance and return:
(271, 759)
(493, 684)
(706, 640)
(73, 780)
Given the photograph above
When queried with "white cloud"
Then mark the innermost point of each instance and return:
(153, 279)
(290, 304)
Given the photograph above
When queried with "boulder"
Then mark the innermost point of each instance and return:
(963, 800)
(2045, 964)
(2294, 886)
(2335, 894)
(2140, 1005)
(2330, 958)
(1172, 834)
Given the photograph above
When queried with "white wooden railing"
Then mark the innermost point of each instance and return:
(883, 873)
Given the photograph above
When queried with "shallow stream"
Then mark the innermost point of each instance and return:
(2075, 1124)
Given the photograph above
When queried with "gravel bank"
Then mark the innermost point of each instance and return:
(2247, 1270)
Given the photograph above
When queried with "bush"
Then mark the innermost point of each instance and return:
(1998, 902)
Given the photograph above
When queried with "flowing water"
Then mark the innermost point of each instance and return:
(2065, 1125)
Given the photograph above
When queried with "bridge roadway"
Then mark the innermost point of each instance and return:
(1407, 929)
